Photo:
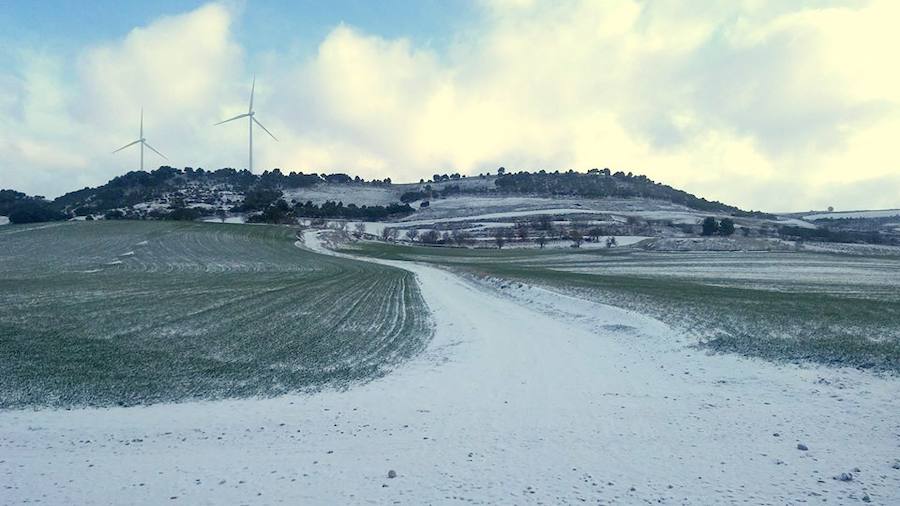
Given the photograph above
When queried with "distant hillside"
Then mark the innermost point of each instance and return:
(603, 183)
(170, 193)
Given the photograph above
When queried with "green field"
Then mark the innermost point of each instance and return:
(105, 313)
(832, 309)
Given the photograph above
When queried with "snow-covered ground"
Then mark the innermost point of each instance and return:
(359, 194)
(4, 220)
(228, 219)
(795, 222)
(523, 396)
(883, 213)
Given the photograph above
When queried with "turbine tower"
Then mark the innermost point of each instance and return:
(251, 115)
(142, 141)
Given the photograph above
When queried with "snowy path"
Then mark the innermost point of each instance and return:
(509, 404)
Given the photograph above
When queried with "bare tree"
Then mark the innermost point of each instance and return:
(460, 237)
(500, 236)
(541, 240)
(360, 229)
(389, 234)
(522, 230)
(610, 241)
(595, 233)
(411, 234)
(430, 237)
(576, 237)
(635, 224)
(544, 222)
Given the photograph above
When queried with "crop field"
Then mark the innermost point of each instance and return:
(123, 313)
(796, 306)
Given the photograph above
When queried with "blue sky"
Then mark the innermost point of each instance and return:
(264, 25)
(764, 104)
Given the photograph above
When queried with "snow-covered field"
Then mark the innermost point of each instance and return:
(523, 396)
(467, 207)
(4, 220)
(237, 219)
(883, 213)
(368, 195)
(786, 272)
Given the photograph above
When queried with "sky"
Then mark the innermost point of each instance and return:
(769, 105)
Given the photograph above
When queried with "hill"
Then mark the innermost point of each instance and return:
(598, 202)
(137, 194)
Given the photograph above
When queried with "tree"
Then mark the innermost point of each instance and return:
(33, 211)
(576, 237)
(710, 226)
(258, 199)
(522, 230)
(500, 235)
(542, 240)
(595, 232)
(360, 229)
(411, 234)
(430, 237)
(726, 227)
(544, 222)
(221, 214)
(460, 237)
(610, 242)
(389, 234)
(278, 212)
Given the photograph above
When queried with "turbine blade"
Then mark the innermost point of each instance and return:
(127, 146)
(239, 116)
(264, 128)
(154, 150)
(252, 89)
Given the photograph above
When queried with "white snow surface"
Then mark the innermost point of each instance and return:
(523, 397)
(882, 213)
(359, 194)
(794, 222)
(4, 220)
(237, 219)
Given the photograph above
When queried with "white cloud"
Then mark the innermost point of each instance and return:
(760, 103)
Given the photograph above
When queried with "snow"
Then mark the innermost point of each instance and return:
(523, 396)
(794, 222)
(359, 194)
(230, 219)
(4, 220)
(375, 228)
(496, 216)
(151, 206)
(884, 213)
(621, 240)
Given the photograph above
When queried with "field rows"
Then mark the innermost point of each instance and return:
(142, 312)
(834, 309)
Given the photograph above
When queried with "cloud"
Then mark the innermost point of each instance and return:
(763, 104)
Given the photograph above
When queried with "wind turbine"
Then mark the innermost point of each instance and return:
(252, 119)
(142, 141)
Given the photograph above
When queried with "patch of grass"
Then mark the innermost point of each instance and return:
(108, 313)
(780, 319)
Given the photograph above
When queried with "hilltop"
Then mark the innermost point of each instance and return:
(561, 206)
(137, 193)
